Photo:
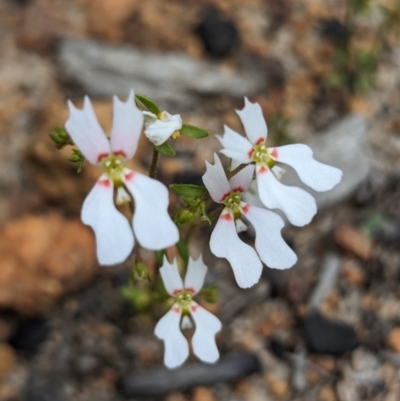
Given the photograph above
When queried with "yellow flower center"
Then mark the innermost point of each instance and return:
(232, 202)
(184, 299)
(113, 166)
(261, 155)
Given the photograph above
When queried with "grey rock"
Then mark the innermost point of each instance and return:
(171, 78)
(160, 381)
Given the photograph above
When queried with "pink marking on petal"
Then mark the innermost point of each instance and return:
(190, 289)
(274, 153)
(260, 140)
(176, 309)
(120, 153)
(105, 183)
(194, 308)
(129, 176)
(250, 152)
(101, 156)
(225, 196)
(226, 217)
(175, 292)
(246, 208)
(238, 189)
(262, 170)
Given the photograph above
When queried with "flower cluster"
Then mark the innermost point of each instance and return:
(252, 163)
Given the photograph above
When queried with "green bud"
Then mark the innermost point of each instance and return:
(139, 298)
(140, 272)
(183, 216)
(60, 137)
(210, 293)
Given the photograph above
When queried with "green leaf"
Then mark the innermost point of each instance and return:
(193, 132)
(183, 250)
(150, 104)
(159, 257)
(165, 149)
(189, 190)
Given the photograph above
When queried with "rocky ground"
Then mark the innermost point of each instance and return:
(326, 330)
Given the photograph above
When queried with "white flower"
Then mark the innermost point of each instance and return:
(160, 128)
(152, 225)
(183, 310)
(224, 241)
(298, 205)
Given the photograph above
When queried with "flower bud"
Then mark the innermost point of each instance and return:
(183, 216)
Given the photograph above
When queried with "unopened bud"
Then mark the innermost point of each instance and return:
(183, 216)
(140, 272)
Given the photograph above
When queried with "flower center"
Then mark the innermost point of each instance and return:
(113, 166)
(261, 155)
(232, 202)
(184, 299)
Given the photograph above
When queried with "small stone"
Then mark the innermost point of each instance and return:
(278, 386)
(327, 393)
(393, 339)
(7, 359)
(326, 362)
(175, 396)
(352, 271)
(325, 336)
(202, 394)
(354, 241)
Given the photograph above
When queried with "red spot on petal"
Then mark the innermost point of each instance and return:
(176, 309)
(101, 156)
(250, 152)
(194, 308)
(274, 153)
(260, 140)
(176, 292)
(238, 189)
(105, 183)
(120, 153)
(245, 208)
(226, 217)
(129, 176)
(262, 170)
(225, 196)
(190, 289)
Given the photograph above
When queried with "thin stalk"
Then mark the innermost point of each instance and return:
(154, 162)
(230, 174)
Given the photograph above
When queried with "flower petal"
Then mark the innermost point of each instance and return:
(225, 243)
(176, 345)
(195, 274)
(215, 180)
(235, 146)
(152, 224)
(253, 120)
(86, 133)
(160, 130)
(298, 205)
(203, 341)
(114, 236)
(149, 117)
(171, 278)
(242, 179)
(316, 175)
(127, 126)
(270, 245)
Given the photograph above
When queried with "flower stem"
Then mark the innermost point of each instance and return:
(230, 174)
(153, 166)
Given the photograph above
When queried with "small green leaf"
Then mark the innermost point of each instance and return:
(193, 132)
(210, 293)
(150, 104)
(165, 149)
(189, 190)
(183, 216)
(183, 250)
(77, 157)
(60, 137)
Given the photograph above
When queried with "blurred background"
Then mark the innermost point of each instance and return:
(326, 73)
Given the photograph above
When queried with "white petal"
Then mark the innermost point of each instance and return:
(171, 278)
(316, 175)
(215, 180)
(242, 179)
(278, 172)
(253, 121)
(195, 274)
(152, 224)
(149, 117)
(298, 205)
(160, 130)
(240, 226)
(122, 196)
(225, 243)
(127, 126)
(235, 146)
(270, 245)
(203, 341)
(86, 133)
(186, 323)
(175, 343)
(114, 236)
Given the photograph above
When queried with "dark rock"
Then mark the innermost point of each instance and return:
(29, 334)
(334, 30)
(324, 336)
(160, 381)
(279, 348)
(219, 36)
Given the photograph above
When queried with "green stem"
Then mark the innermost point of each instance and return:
(230, 174)
(153, 166)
